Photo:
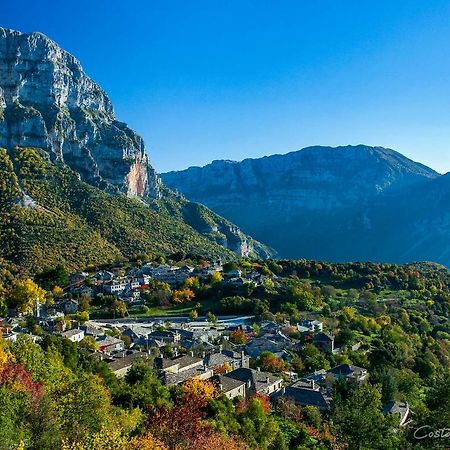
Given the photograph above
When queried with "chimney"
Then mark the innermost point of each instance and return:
(267, 379)
(249, 384)
(313, 384)
(220, 348)
(191, 353)
(242, 358)
(220, 386)
(258, 369)
(203, 355)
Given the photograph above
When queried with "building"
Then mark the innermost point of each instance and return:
(165, 336)
(348, 372)
(180, 369)
(315, 326)
(256, 382)
(77, 279)
(229, 387)
(121, 364)
(227, 357)
(171, 275)
(103, 276)
(139, 335)
(109, 344)
(268, 343)
(324, 342)
(399, 408)
(304, 393)
(74, 335)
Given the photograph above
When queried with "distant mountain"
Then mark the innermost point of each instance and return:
(48, 103)
(338, 204)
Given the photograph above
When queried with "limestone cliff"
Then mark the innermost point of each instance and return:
(47, 101)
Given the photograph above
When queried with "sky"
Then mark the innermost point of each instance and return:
(226, 79)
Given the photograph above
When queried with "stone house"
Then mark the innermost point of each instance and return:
(256, 382)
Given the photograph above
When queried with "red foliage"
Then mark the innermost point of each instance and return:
(182, 425)
(17, 377)
(265, 403)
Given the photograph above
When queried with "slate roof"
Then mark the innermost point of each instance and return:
(258, 380)
(303, 396)
(182, 361)
(323, 337)
(169, 378)
(227, 384)
(346, 370)
(400, 408)
(126, 361)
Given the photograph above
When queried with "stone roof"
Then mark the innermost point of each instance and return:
(259, 381)
(126, 361)
(399, 408)
(181, 361)
(170, 379)
(305, 397)
(323, 337)
(69, 333)
(345, 370)
(226, 384)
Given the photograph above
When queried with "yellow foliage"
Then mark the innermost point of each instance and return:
(216, 278)
(24, 294)
(200, 388)
(5, 355)
(146, 442)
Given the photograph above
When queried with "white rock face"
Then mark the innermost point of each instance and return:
(47, 101)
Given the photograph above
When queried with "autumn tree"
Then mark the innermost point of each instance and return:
(238, 337)
(270, 362)
(24, 295)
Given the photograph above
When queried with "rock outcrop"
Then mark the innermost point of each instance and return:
(47, 101)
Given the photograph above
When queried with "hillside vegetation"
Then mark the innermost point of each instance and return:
(49, 217)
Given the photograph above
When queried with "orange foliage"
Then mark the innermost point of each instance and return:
(238, 337)
(201, 389)
(146, 442)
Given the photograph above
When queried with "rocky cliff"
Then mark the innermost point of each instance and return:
(47, 101)
(340, 204)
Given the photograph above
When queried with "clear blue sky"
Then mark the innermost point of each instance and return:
(204, 80)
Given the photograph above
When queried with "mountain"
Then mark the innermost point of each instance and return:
(337, 204)
(54, 116)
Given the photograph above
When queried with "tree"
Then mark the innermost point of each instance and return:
(83, 406)
(119, 309)
(238, 337)
(84, 303)
(24, 295)
(89, 342)
(183, 295)
(270, 363)
(216, 278)
(210, 317)
(203, 389)
(193, 314)
(358, 421)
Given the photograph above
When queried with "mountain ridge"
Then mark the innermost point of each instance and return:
(320, 202)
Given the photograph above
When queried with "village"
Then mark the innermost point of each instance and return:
(226, 350)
